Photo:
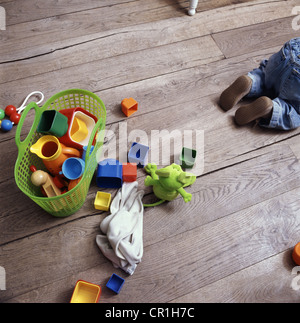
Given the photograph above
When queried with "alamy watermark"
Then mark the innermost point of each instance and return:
(165, 146)
(296, 20)
(296, 280)
(2, 18)
(2, 279)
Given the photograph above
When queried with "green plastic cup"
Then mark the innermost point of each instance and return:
(53, 123)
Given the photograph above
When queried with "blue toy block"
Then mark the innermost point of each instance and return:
(109, 174)
(138, 154)
(115, 283)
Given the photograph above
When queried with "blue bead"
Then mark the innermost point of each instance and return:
(6, 125)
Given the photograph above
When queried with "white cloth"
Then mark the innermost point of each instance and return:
(122, 239)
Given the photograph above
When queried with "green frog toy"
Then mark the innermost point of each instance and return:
(168, 182)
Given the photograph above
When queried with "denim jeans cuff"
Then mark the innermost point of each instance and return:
(255, 89)
(274, 121)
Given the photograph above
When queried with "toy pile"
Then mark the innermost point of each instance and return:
(62, 148)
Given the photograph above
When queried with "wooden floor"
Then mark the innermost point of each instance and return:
(233, 241)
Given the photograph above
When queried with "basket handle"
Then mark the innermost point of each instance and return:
(24, 104)
(38, 111)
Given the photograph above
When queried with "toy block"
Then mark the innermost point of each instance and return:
(115, 283)
(102, 201)
(85, 292)
(129, 106)
(188, 157)
(129, 172)
(138, 154)
(109, 174)
(296, 254)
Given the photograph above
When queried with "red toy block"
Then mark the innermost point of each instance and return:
(129, 172)
(129, 106)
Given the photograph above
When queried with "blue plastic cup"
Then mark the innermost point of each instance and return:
(73, 168)
(84, 151)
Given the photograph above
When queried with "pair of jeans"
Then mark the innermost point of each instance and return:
(279, 79)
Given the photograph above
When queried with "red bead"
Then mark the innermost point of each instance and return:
(9, 110)
(32, 168)
(15, 117)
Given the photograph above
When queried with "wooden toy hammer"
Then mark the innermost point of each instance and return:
(41, 178)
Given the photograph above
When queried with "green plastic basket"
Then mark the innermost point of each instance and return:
(71, 201)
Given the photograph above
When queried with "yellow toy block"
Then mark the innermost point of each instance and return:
(86, 292)
(102, 201)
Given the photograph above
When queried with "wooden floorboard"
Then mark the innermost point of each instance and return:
(183, 263)
(233, 241)
(247, 40)
(268, 281)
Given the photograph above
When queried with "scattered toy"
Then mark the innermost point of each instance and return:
(85, 292)
(168, 182)
(129, 172)
(109, 174)
(188, 157)
(138, 154)
(296, 254)
(102, 201)
(115, 283)
(129, 106)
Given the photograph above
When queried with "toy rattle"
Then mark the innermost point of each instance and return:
(168, 182)
(14, 114)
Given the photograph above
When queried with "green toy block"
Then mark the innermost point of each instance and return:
(188, 157)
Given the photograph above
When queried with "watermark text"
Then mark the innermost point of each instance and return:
(2, 278)
(2, 18)
(296, 280)
(165, 146)
(296, 20)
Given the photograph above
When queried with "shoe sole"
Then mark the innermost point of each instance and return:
(232, 95)
(258, 109)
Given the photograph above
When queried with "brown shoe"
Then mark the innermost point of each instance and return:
(235, 92)
(260, 108)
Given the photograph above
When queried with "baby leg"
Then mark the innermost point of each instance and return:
(262, 108)
(284, 116)
(258, 77)
(276, 114)
(251, 85)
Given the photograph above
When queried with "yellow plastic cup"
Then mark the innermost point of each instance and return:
(79, 130)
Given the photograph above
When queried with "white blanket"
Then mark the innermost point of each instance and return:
(122, 239)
